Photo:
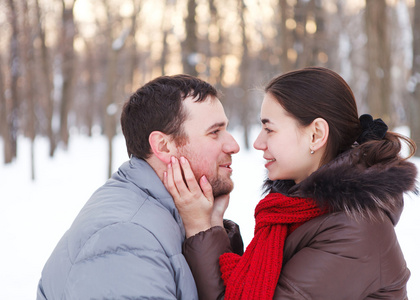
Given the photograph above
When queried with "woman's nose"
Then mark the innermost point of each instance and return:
(259, 144)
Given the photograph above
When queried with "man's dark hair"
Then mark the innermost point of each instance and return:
(157, 106)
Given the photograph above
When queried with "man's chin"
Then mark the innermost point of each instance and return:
(221, 188)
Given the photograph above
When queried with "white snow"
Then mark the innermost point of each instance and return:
(36, 214)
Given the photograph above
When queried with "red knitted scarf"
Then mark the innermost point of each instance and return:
(255, 274)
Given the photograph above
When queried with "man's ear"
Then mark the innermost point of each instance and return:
(319, 133)
(161, 145)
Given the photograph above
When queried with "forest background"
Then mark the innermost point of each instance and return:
(69, 65)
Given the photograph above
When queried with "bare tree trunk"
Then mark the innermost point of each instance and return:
(89, 106)
(335, 30)
(244, 77)
(320, 41)
(133, 55)
(165, 51)
(3, 109)
(284, 37)
(378, 60)
(414, 108)
(190, 45)
(111, 106)
(165, 28)
(110, 122)
(30, 93)
(303, 43)
(13, 114)
(298, 48)
(113, 46)
(217, 48)
(46, 80)
(67, 68)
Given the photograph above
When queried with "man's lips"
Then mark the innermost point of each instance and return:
(226, 165)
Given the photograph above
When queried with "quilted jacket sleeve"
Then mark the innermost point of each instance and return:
(117, 275)
(115, 265)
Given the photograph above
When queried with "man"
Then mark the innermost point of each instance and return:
(126, 242)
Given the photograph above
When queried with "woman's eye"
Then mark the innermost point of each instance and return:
(268, 130)
(215, 132)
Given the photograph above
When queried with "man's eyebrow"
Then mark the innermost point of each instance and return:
(216, 125)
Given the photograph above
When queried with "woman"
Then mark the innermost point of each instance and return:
(325, 230)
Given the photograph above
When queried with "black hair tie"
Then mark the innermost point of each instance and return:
(371, 129)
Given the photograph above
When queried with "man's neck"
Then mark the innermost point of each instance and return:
(157, 165)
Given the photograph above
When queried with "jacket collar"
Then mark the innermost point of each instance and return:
(143, 177)
(357, 190)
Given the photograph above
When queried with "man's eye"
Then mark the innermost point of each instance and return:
(215, 132)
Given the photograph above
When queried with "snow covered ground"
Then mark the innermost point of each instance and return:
(35, 214)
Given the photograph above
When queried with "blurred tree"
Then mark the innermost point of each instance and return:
(45, 78)
(166, 28)
(133, 51)
(302, 36)
(215, 50)
(378, 60)
(29, 91)
(414, 107)
(111, 108)
(302, 50)
(14, 69)
(334, 31)
(68, 67)
(245, 77)
(3, 110)
(317, 29)
(86, 102)
(190, 44)
(236, 45)
(116, 44)
(90, 85)
(285, 44)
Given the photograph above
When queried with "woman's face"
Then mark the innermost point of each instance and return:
(286, 144)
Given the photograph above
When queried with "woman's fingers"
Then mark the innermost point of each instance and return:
(168, 181)
(193, 204)
(181, 183)
(192, 183)
(179, 178)
(206, 188)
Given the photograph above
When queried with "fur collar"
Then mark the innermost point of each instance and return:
(357, 190)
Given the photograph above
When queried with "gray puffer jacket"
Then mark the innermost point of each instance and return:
(124, 244)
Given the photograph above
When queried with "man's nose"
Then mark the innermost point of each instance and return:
(231, 146)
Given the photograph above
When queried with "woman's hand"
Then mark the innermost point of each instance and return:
(193, 201)
(220, 205)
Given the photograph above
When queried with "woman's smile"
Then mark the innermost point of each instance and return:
(269, 162)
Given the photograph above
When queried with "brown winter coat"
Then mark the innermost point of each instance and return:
(350, 253)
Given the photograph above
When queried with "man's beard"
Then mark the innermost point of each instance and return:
(221, 186)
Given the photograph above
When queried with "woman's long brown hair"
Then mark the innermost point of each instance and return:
(317, 92)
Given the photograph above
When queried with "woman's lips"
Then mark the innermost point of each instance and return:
(269, 162)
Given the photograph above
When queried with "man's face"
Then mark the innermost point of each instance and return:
(209, 146)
